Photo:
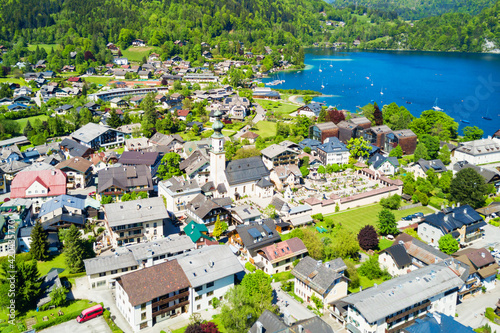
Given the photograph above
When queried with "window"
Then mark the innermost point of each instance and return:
(198, 288)
(210, 285)
(143, 316)
(210, 293)
(114, 271)
(154, 224)
(197, 298)
(143, 306)
(102, 274)
(124, 269)
(198, 307)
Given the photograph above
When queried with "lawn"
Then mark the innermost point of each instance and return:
(137, 53)
(265, 129)
(365, 283)
(228, 132)
(215, 320)
(357, 218)
(277, 106)
(98, 80)
(13, 80)
(74, 307)
(384, 243)
(47, 47)
(23, 121)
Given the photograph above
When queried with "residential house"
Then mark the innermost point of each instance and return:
(136, 144)
(421, 167)
(96, 136)
(462, 222)
(386, 165)
(169, 142)
(153, 294)
(17, 107)
(251, 237)
(394, 304)
(120, 61)
(312, 109)
(211, 271)
(138, 42)
(333, 152)
(50, 282)
(102, 271)
(377, 135)
(279, 257)
(236, 107)
(196, 166)
(14, 215)
(78, 172)
(483, 268)
(118, 102)
(250, 136)
(145, 75)
(135, 221)
(10, 153)
(265, 93)
(3, 182)
(326, 281)
(320, 132)
(134, 158)
(71, 148)
(481, 151)
(198, 233)
(276, 155)
(438, 323)
(269, 322)
(130, 128)
(396, 260)
(182, 114)
(286, 175)
(66, 210)
(405, 138)
(178, 192)
(245, 214)
(205, 210)
(38, 186)
(489, 173)
(116, 181)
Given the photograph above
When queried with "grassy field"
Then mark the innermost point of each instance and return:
(137, 53)
(13, 80)
(98, 80)
(23, 121)
(228, 132)
(357, 218)
(384, 243)
(47, 47)
(365, 283)
(277, 106)
(265, 128)
(214, 320)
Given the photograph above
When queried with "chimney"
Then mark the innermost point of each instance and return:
(437, 317)
(53, 172)
(453, 206)
(483, 255)
(260, 327)
(301, 329)
(138, 206)
(458, 204)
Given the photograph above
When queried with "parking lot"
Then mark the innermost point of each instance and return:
(96, 325)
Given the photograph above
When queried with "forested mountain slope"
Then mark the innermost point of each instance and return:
(418, 9)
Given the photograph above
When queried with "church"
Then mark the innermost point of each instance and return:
(237, 178)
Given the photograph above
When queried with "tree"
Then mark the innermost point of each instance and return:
(445, 155)
(106, 200)
(387, 223)
(371, 269)
(194, 328)
(148, 105)
(321, 170)
(352, 274)
(270, 211)
(448, 244)
(358, 147)
(377, 115)
(39, 245)
(307, 99)
(114, 120)
(472, 133)
(27, 129)
(396, 152)
(304, 170)
(396, 117)
(420, 152)
(469, 188)
(391, 202)
(23, 277)
(432, 145)
(368, 238)
(58, 296)
(432, 177)
(217, 228)
(169, 166)
(345, 246)
(436, 123)
(88, 56)
(245, 153)
(74, 250)
(335, 116)
(322, 116)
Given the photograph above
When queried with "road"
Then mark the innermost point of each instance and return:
(296, 310)
(471, 311)
(96, 325)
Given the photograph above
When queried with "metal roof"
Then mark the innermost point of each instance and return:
(135, 211)
(245, 170)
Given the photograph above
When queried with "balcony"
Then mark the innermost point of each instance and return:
(412, 310)
(398, 328)
(170, 308)
(130, 236)
(169, 299)
(127, 229)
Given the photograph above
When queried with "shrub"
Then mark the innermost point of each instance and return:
(100, 230)
(368, 238)
(371, 269)
(318, 217)
(392, 202)
(250, 267)
(215, 302)
(56, 320)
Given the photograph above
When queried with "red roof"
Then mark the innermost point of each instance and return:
(285, 249)
(183, 113)
(53, 180)
(74, 79)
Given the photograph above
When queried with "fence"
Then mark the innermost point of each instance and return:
(410, 206)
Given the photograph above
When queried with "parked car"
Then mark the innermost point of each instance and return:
(419, 214)
(407, 218)
(90, 313)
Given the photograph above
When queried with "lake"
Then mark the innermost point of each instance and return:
(466, 86)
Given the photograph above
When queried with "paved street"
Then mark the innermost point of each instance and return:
(96, 325)
(471, 311)
(296, 310)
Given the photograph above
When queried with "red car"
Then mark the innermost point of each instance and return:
(90, 313)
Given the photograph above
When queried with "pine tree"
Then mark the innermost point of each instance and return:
(114, 120)
(27, 129)
(39, 244)
(74, 250)
(322, 116)
(217, 228)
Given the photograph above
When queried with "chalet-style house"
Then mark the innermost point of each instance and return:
(116, 181)
(251, 237)
(78, 172)
(279, 257)
(95, 136)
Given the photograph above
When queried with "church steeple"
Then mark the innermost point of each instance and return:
(217, 137)
(217, 155)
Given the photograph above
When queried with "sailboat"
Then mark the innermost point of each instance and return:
(320, 70)
(322, 85)
(381, 92)
(331, 65)
(436, 107)
(486, 117)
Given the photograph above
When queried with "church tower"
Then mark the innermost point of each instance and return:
(217, 154)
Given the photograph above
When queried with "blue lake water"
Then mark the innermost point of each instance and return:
(466, 86)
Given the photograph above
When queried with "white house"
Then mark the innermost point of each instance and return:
(120, 61)
(279, 257)
(333, 152)
(479, 151)
(95, 136)
(178, 192)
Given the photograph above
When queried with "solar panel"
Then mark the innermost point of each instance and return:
(266, 228)
(254, 233)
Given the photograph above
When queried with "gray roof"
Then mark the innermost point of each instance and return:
(274, 150)
(489, 174)
(132, 255)
(245, 170)
(326, 126)
(126, 178)
(453, 218)
(480, 147)
(135, 211)
(12, 141)
(273, 324)
(333, 146)
(360, 120)
(138, 157)
(300, 209)
(75, 148)
(436, 165)
(318, 276)
(201, 205)
(13, 167)
(249, 241)
(399, 293)
(39, 166)
(399, 255)
(269, 321)
(90, 131)
(209, 264)
(178, 184)
(246, 212)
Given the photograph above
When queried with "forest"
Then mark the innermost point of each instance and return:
(418, 9)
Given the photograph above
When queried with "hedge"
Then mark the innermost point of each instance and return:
(250, 267)
(57, 320)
